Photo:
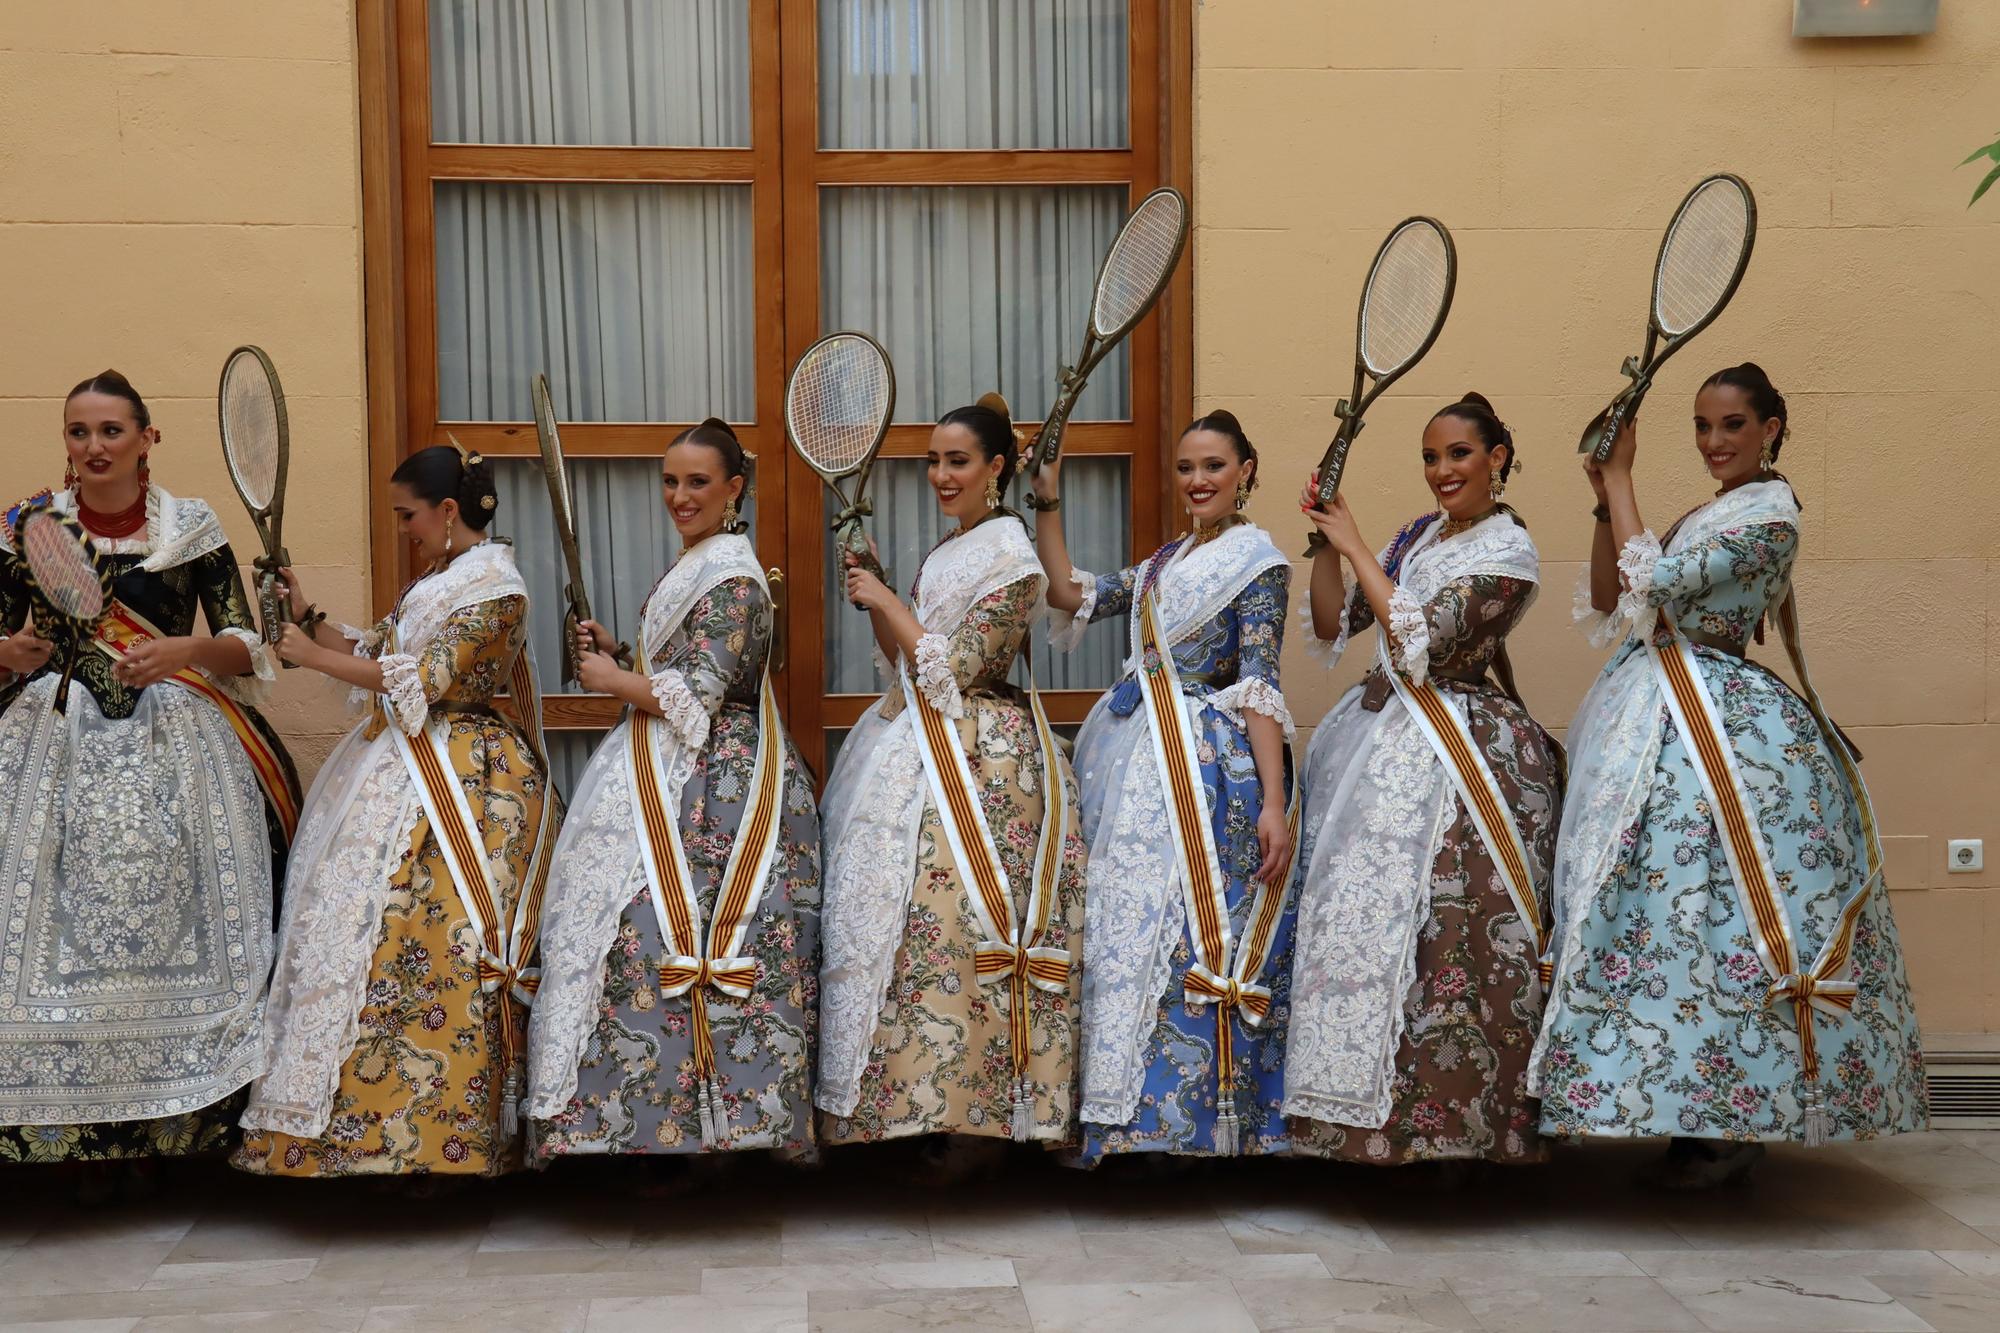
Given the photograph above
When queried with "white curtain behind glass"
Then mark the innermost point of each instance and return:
(1097, 502)
(635, 300)
(973, 74)
(972, 288)
(659, 73)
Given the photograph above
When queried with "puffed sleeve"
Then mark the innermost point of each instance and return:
(1457, 615)
(1103, 595)
(695, 673)
(1260, 616)
(225, 603)
(983, 645)
(472, 652)
(1653, 579)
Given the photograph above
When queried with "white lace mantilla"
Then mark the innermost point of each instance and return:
(1134, 913)
(597, 866)
(874, 808)
(353, 835)
(1378, 804)
(1615, 739)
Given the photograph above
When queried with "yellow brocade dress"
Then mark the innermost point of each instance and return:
(421, 1089)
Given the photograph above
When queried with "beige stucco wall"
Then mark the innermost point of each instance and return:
(177, 178)
(1554, 137)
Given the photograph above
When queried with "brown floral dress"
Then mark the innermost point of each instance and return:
(1460, 1081)
(421, 1089)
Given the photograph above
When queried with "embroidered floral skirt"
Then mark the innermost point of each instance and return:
(421, 1089)
(941, 1061)
(1659, 1023)
(1461, 1081)
(635, 1087)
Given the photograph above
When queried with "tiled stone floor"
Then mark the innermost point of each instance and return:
(1898, 1235)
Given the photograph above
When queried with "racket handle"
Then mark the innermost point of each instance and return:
(272, 613)
(1048, 440)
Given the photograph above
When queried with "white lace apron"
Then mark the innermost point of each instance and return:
(875, 802)
(1379, 801)
(599, 863)
(1135, 909)
(359, 818)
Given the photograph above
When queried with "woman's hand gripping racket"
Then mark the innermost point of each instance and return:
(562, 502)
(1135, 271)
(72, 585)
(1403, 309)
(1702, 257)
(257, 445)
(838, 403)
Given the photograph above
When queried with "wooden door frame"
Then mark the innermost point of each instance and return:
(399, 164)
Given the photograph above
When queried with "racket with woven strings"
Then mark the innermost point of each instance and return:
(838, 404)
(1135, 271)
(257, 445)
(1403, 308)
(1701, 263)
(72, 585)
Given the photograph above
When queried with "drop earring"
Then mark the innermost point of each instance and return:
(1242, 494)
(992, 490)
(1766, 457)
(449, 522)
(145, 471)
(69, 475)
(1496, 486)
(729, 515)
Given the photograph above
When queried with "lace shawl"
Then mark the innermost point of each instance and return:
(597, 865)
(1378, 805)
(873, 810)
(1134, 913)
(353, 836)
(1615, 740)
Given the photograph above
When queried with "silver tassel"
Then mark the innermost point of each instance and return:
(1024, 1111)
(1226, 1131)
(510, 1101)
(1818, 1120)
(704, 1096)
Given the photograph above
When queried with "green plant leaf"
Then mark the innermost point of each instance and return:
(1984, 186)
(1991, 150)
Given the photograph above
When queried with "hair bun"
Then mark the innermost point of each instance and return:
(995, 401)
(1224, 420)
(1477, 399)
(717, 423)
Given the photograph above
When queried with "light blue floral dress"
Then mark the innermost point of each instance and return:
(1658, 1022)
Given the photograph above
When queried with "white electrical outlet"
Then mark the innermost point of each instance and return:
(1962, 856)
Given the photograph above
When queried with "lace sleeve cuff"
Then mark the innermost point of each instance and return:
(1326, 652)
(1409, 636)
(1253, 694)
(935, 677)
(403, 684)
(1066, 627)
(680, 708)
(1636, 564)
(252, 689)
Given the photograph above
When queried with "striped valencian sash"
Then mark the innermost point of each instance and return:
(1825, 985)
(1229, 981)
(697, 958)
(122, 629)
(1011, 952)
(1479, 792)
(507, 941)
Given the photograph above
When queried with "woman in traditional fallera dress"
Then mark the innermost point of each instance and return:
(1183, 772)
(1431, 803)
(393, 1040)
(142, 828)
(680, 937)
(954, 876)
(1728, 972)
